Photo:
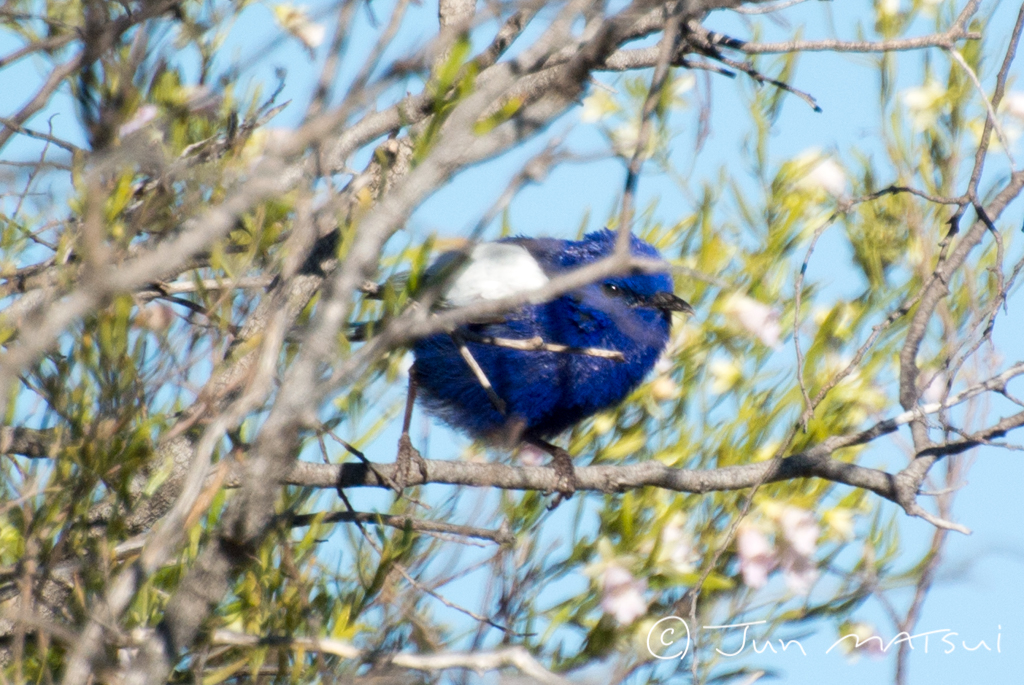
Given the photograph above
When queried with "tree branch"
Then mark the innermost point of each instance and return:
(479, 661)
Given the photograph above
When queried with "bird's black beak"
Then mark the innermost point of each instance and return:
(668, 302)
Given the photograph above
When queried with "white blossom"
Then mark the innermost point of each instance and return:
(677, 549)
(826, 175)
(755, 317)
(725, 375)
(597, 106)
(295, 21)
(405, 365)
(867, 637)
(622, 595)
(603, 423)
(1013, 104)
(841, 521)
(925, 104)
(664, 364)
(663, 388)
(683, 84)
(935, 388)
(889, 8)
(626, 137)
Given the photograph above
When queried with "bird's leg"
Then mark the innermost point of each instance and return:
(510, 434)
(561, 460)
(407, 454)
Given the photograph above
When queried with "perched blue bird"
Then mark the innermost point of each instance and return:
(541, 392)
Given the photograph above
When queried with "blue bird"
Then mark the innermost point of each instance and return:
(538, 394)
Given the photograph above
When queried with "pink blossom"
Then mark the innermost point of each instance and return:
(800, 530)
(800, 571)
(202, 100)
(143, 115)
(757, 557)
(156, 317)
(531, 456)
(622, 594)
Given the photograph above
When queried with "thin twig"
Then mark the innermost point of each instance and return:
(753, 73)
(478, 661)
(897, 189)
(538, 344)
(939, 40)
(666, 48)
(765, 9)
(501, 537)
(991, 112)
(415, 583)
(799, 286)
(475, 367)
(10, 123)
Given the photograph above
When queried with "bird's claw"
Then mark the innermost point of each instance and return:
(565, 478)
(407, 454)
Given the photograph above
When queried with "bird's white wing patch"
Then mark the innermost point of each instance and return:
(494, 271)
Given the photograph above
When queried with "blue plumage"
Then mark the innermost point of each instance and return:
(546, 392)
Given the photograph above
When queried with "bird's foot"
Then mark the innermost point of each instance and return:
(565, 472)
(407, 455)
(511, 434)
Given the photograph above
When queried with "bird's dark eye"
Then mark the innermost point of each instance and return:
(619, 292)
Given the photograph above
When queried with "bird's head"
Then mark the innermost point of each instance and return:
(649, 294)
